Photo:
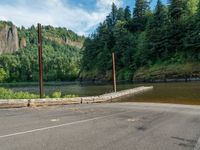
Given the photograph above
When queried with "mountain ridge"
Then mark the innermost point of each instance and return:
(13, 38)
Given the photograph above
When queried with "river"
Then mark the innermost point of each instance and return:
(182, 93)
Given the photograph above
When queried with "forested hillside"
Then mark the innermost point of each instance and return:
(148, 44)
(61, 55)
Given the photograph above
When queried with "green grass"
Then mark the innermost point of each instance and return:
(56, 94)
(9, 94)
(70, 96)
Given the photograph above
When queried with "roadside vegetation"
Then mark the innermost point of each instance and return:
(10, 94)
(58, 94)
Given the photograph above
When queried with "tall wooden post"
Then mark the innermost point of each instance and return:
(40, 60)
(114, 73)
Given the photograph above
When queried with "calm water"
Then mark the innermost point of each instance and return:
(183, 93)
(180, 93)
(77, 89)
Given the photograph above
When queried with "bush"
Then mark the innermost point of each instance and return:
(3, 75)
(56, 95)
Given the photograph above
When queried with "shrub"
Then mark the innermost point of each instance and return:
(56, 95)
(3, 75)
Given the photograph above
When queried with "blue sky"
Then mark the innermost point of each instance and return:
(81, 16)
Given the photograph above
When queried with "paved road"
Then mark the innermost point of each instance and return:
(116, 126)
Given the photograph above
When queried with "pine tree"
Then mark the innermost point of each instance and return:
(120, 14)
(141, 6)
(139, 16)
(127, 14)
(192, 39)
(177, 27)
(113, 14)
(177, 9)
(160, 16)
(157, 32)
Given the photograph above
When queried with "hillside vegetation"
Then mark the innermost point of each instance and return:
(61, 56)
(148, 44)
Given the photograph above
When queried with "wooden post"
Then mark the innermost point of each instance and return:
(114, 73)
(40, 60)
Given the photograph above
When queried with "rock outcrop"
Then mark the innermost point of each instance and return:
(73, 43)
(9, 41)
(22, 43)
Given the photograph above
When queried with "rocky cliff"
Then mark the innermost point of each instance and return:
(22, 43)
(9, 41)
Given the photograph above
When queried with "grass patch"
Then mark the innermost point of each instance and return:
(9, 94)
(71, 96)
(56, 94)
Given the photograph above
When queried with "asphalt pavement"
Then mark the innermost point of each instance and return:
(112, 126)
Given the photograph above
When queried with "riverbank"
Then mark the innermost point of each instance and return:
(176, 72)
(16, 103)
(159, 72)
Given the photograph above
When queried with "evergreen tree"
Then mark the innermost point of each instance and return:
(177, 9)
(177, 26)
(167, 35)
(157, 32)
(192, 39)
(113, 15)
(120, 14)
(139, 16)
(141, 6)
(127, 14)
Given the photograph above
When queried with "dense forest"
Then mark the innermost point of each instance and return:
(61, 56)
(148, 44)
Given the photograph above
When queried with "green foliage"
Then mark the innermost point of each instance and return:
(3, 75)
(192, 6)
(127, 14)
(56, 94)
(170, 33)
(167, 70)
(61, 61)
(70, 96)
(9, 94)
(141, 7)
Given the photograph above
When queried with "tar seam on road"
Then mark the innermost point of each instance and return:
(61, 125)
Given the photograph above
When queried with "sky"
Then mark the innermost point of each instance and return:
(81, 16)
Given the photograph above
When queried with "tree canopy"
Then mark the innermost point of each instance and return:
(169, 34)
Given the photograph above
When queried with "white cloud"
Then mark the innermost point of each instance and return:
(108, 3)
(55, 13)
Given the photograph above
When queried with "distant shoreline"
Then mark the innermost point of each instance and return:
(98, 82)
